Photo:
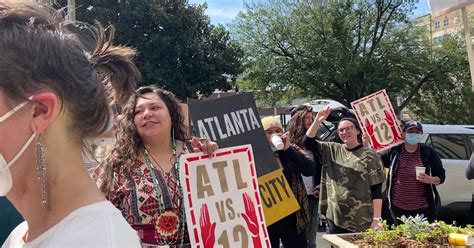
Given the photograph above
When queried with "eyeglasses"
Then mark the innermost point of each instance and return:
(345, 129)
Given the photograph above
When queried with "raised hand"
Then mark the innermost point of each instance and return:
(207, 228)
(250, 217)
(322, 115)
(366, 139)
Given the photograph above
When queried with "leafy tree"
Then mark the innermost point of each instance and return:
(178, 47)
(450, 99)
(342, 50)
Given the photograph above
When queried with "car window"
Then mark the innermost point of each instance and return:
(449, 146)
(471, 137)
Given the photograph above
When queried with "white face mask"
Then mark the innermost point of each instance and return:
(6, 181)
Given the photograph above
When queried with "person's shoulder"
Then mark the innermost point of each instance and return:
(396, 148)
(427, 150)
(127, 165)
(15, 239)
(115, 229)
(331, 144)
(367, 150)
(95, 225)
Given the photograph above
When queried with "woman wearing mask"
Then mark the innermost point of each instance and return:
(51, 99)
(291, 229)
(407, 193)
(352, 177)
(141, 175)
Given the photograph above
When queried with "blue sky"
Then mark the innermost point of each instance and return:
(224, 11)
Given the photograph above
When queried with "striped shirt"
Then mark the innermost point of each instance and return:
(408, 193)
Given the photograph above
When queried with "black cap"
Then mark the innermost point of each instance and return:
(411, 125)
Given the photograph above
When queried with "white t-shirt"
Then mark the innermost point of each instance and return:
(96, 225)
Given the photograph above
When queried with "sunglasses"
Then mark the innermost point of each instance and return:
(293, 111)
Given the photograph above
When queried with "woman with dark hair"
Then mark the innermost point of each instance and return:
(301, 120)
(51, 99)
(141, 175)
(291, 229)
(352, 177)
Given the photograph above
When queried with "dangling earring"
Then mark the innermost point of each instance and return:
(173, 139)
(41, 169)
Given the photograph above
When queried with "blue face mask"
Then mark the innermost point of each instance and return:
(413, 138)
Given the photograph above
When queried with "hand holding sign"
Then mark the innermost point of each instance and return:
(207, 228)
(204, 145)
(250, 217)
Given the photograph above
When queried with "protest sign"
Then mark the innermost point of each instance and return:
(233, 121)
(376, 116)
(222, 199)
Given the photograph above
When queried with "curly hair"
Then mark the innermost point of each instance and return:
(129, 145)
(296, 127)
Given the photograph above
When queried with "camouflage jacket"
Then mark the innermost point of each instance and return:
(347, 176)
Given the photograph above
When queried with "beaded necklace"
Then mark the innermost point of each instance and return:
(159, 191)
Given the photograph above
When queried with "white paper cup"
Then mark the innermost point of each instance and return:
(277, 142)
(419, 170)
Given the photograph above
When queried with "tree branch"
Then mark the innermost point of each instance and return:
(418, 86)
(359, 36)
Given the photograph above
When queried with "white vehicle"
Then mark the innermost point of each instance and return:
(465, 126)
(454, 145)
(322, 104)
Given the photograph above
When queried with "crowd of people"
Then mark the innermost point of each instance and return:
(55, 94)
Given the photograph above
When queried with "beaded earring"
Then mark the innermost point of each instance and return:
(41, 170)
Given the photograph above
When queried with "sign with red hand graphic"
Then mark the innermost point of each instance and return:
(222, 200)
(376, 117)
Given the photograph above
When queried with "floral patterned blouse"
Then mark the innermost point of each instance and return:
(157, 222)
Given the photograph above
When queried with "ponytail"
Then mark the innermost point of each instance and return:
(115, 66)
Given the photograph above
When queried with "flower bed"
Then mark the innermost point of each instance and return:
(414, 232)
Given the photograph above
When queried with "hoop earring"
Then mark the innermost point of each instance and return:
(41, 169)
